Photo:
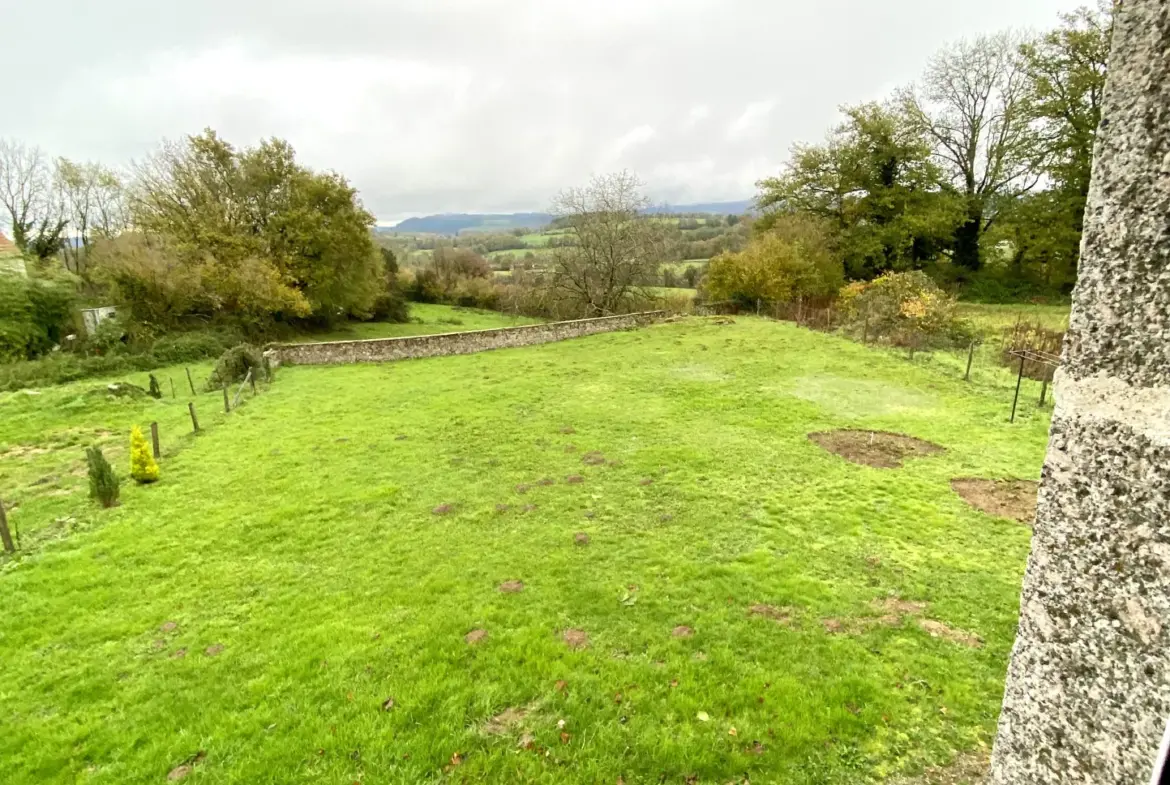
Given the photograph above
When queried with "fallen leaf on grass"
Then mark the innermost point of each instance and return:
(187, 766)
(732, 732)
(564, 738)
(388, 704)
(527, 742)
(562, 685)
(703, 716)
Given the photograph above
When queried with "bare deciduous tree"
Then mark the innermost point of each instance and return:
(615, 247)
(25, 190)
(971, 104)
(93, 199)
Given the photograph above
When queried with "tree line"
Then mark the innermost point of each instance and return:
(199, 234)
(977, 174)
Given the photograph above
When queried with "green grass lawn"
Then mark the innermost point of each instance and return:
(994, 318)
(341, 534)
(425, 319)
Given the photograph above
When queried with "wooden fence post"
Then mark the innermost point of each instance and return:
(5, 535)
(194, 419)
(154, 440)
(970, 358)
(1019, 381)
(190, 381)
(253, 378)
(172, 380)
(227, 407)
(243, 384)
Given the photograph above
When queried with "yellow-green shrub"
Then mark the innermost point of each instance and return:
(143, 467)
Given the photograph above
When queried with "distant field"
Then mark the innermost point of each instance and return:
(997, 317)
(426, 319)
(663, 291)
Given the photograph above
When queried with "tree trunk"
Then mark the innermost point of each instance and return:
(967, 237)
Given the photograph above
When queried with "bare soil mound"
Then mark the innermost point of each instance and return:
(1014, 499)
(874, 448)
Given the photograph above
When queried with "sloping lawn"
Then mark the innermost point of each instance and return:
(425, 319)
(312, 593)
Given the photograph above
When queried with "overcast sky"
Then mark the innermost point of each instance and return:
(475, 105)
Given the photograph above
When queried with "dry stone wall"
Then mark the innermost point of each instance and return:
(413, 347)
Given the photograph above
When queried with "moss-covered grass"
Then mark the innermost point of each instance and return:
(329, 545)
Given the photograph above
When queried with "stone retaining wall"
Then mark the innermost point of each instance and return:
(416, 346)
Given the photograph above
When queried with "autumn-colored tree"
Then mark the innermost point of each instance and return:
(795, 258)
(254, 219)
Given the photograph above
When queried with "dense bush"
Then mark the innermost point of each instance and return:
(35, 314)
(234, 364)
(907, 309)
(794, 259)
(193, 346)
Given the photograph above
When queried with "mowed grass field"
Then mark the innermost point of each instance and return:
(294, 600)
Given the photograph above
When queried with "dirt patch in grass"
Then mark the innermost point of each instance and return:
(512, 587)
(833, 626)
(521, 488)
(593, 458)
(778, 615)
(507, 720)
(503, 507)
(214, 650)
(874, 448)
(475, 636)
(646, 481)
(682, 631)
(574, 479)
(568, 429)
(576, 639)
(1012, 499)
(894, 606)
(936, 629)
(546, 481)
(24, 451)
(443, 509)
(581, 538)
(969, 768)
(570, 448)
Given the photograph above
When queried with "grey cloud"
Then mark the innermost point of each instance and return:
(476, 105)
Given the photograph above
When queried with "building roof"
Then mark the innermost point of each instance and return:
(6, 245)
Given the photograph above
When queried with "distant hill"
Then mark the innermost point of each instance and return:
(456, 223)
(711, 208)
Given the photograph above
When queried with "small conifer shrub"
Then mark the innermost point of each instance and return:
(143, 467)
(103, 483)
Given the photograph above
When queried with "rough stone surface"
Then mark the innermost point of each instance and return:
(1087, 695)
(413, 347)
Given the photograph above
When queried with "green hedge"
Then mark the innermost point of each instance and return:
(64, 367)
